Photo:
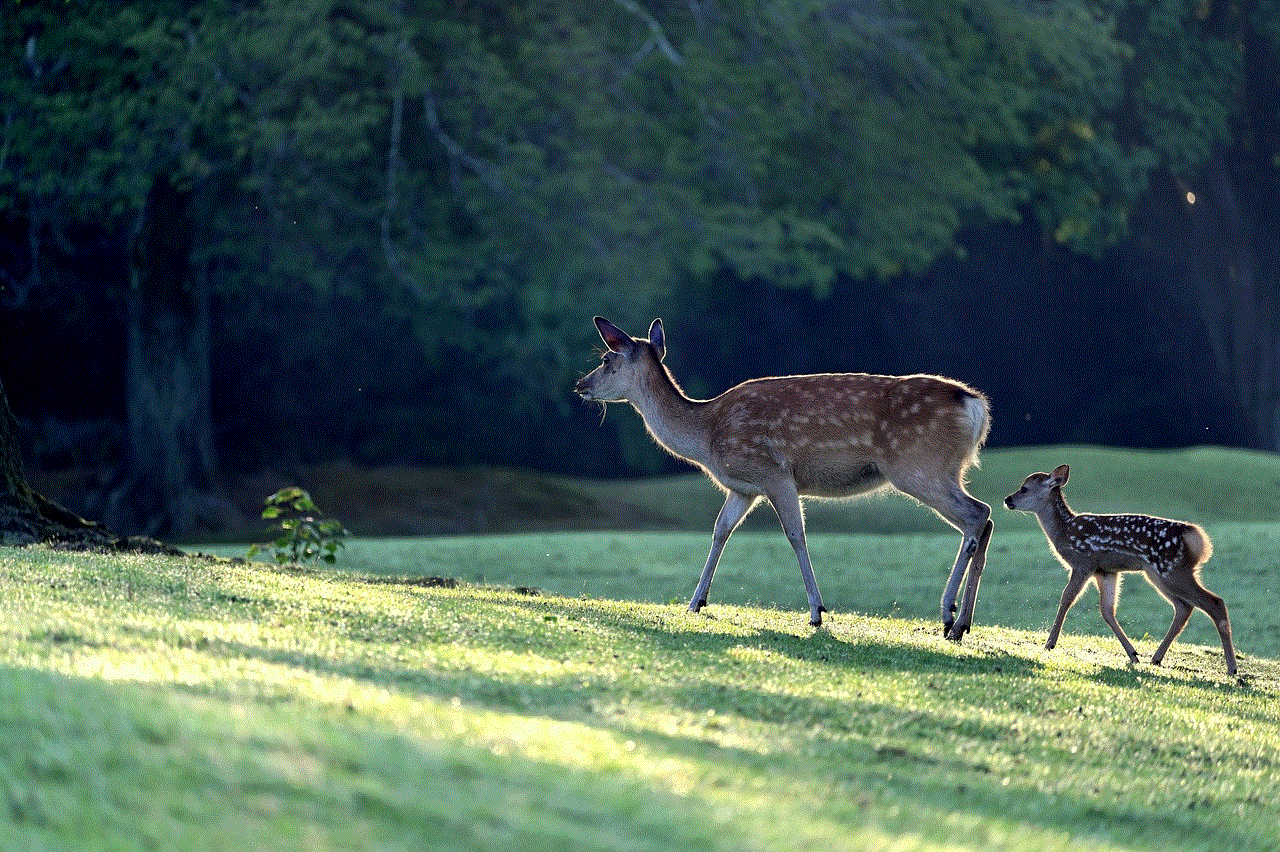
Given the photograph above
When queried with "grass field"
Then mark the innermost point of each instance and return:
(193, 704)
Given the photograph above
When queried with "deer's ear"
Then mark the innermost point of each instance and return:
(658, 339)
(1060, 474)
(613, 337)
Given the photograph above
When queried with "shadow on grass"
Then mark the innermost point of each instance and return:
(862, 752)
(132, 744)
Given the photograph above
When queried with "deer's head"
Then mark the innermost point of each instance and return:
(623, 367)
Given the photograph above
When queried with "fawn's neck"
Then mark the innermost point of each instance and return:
(1055, 516)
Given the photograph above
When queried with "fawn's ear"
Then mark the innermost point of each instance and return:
(1060, 474)
(658, 339)
(613, 337)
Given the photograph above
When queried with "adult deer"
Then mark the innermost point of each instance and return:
(829, 435)
(1100, 547)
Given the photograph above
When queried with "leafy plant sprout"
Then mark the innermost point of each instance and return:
(304, 534)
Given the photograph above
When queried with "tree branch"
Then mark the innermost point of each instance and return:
(389, 254)
(655, 29)
(482, 169)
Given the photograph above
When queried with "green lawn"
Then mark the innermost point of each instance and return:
(891, 576)
(155, 703)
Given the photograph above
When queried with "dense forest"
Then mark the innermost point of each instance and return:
(239, 235)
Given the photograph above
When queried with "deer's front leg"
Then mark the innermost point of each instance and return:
(735, 508)
(1075, 585)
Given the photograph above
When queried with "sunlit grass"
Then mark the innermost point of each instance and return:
(883, 575)
(191, 704)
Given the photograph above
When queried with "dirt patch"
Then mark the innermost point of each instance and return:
(423, 582)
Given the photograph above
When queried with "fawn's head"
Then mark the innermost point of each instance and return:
(1037, 489)
(620, 376)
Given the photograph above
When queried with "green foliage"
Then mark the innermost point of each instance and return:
(475, 169)
(303, 535)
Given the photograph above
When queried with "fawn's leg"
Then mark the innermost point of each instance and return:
(1108, 596)
(1188, 592)
(1181, 614)
(1070, 594)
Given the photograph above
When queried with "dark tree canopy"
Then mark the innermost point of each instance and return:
(379, 231)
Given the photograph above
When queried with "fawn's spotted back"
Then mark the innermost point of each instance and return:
(1159, 542)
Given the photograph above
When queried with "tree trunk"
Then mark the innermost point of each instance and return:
(1205, 259)
(1239, 300)
(19, 514)
(167, 480)
(26, 518)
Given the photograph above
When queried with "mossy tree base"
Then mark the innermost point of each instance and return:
(26, 518)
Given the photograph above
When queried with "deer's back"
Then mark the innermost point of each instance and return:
(839, 434)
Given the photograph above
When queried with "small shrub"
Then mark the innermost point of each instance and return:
(304, 535)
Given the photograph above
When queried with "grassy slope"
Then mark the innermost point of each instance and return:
(153, 703)
(179, 704)
(896, 575)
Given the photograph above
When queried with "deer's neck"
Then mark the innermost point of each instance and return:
(673, 419)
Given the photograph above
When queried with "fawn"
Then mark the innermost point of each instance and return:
(827, 435)
(1100, 547)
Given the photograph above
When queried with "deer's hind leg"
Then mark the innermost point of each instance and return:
(948, 498)
(1184, 592)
